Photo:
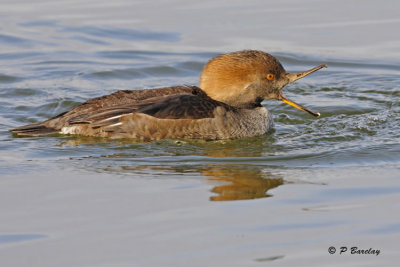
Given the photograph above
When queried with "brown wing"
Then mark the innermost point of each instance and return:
(165, 107)
(106, 107)
(128, 98)
(186, 104)
(182, 107)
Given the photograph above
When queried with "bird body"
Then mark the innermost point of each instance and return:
(226, 105)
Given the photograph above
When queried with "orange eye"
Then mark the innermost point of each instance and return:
(270, 76)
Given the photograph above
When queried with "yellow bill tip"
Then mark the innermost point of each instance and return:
(294, 104)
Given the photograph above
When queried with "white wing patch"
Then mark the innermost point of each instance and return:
(115, 124)
(111, 118)
(68, 130)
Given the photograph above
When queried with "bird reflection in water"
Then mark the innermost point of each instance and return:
(240, 183)
(231, 181)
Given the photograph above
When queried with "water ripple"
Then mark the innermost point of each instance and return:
(14, 40)
(12, 238)
(8, 78)
(123, 34)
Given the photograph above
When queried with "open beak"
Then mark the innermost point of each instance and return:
(294, 104)
(296, 76)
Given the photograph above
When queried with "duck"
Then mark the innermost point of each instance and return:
(225, 105)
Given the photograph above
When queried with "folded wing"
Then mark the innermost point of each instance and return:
(107, 112)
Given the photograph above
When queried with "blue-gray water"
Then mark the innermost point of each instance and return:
(286, 197)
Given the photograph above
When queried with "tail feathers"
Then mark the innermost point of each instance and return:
(35, 129)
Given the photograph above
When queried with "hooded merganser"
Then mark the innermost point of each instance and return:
(226, 105)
